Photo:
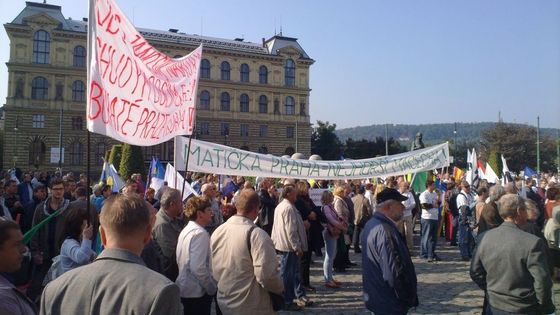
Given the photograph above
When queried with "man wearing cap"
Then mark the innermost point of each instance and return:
(388, 275)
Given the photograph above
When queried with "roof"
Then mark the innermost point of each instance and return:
(269, 47)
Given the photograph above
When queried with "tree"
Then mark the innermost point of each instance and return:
(115, 155)
(364, 149)
(325, 142)
(495, 162)
(132, 161)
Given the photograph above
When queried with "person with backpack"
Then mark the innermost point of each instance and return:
(453, 212)
(464, 236)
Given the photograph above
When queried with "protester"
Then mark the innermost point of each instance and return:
(76, 235)
(100, 200)
(39, 195)
(306, 209)
(511, 265)
(11, 199)
(405, 224)
(482, 195)
(343, 211)
(167, 228)
(429, 201)
(490, 209)
(362, 213)
(12, 302)
(209, 191)
(151, 196)
(43, 244)
(267, 204)
(25, 189)
(193, 258)
(80, 202)
(464, 237)
(117, 281)
(334, 227)
(388, 274)
(290, 240)
(240, 245)
(552, 228)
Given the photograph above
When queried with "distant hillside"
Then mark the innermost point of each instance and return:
(432, 133)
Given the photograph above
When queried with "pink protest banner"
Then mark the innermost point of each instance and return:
(136, 94)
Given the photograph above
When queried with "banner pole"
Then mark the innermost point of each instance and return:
(186, 167)
(88, 170)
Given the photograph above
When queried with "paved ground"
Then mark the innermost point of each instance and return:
(443, 288)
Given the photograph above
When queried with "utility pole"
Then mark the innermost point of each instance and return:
(60, 152)
(386, 139)
(538, 147)
(455, 144)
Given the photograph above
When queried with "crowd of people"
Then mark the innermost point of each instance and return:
(247, 245)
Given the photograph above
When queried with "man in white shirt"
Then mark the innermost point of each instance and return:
(405, 224)
(464, 236)
(196, 285)
(370, 195)
(429, 202)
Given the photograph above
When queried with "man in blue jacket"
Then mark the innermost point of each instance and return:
(388, 275)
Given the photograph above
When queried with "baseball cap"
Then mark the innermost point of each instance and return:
(388, 194)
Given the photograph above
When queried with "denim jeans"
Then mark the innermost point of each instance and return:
(429, 238)
(464, 240)
(289, 269)
(455, 227)
(330, 253)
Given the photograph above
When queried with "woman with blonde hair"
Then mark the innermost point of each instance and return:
(334, 227)
(341, 208)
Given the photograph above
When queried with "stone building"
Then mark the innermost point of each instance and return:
(250, 96)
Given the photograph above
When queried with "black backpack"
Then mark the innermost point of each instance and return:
(453, 204)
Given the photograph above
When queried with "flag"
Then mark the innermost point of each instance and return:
(490, 175)
(457, 173)
(155, 93)
(528, 172)
(481, 167)
(156, 174)
(469, 159)
(474, 174)
(110, 177)
(176, 180)
(419, 181)
(506, 175)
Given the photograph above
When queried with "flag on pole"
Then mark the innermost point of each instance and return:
(176, 180)
(469, 160)
(457, 173)
(474, 174)
(156, 174)
(110, 177)
(490, 175)
(506, 175)
(419, 181)
(528, 172)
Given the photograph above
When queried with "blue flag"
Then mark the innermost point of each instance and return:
(110, 177)
(156, 174)
(528, 172)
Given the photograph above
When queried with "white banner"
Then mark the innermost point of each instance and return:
(214, 158)
(137, 94)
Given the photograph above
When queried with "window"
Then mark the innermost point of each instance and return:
(204, 128)
(78, 91)
(204, 100)
(225, 69)
(79, 56)
(290, 73)
(41, 47)
(205, 69)
(263, 104)
(224, 102)
(290, 132)
(39, 88)
(244, 73)
(290, 106)
(100, 149)
(37, 151)
(77, 123)
(263, 75)
(224, 129)
(38, 121)
(302, 109)
(244, 103)
(76, 153)
(289, 151)
(244, 130)
(263, 131)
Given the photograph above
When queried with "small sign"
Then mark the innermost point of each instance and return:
(55, 155)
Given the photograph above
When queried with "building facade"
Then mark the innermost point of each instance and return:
(250, 96)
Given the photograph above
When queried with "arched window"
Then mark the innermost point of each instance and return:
(39, 88)
(244, 72)
(100, 149)
(76, 153)
(204, 100)
(244, 103)
(224, 102)
(290, 106)
(41, 46)
(78, 91)
(37, 151)
(263, 75)
(290, 72)
(289, 151)
(263, 104)
(79, 56)
(205, 69)
(225, 69)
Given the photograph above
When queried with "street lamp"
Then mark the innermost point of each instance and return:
(455, 142)
(386, 139)
(16, 129)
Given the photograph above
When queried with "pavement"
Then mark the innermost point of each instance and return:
(444, 287)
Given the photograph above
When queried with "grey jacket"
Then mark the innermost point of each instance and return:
(117, 282)
(511, 266)
(288, 231)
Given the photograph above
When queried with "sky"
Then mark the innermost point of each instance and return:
(377, 62)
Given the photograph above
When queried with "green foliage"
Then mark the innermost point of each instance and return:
(325, 142)
(495, 161)
(115, 155)
(364, 149)
(132, 161)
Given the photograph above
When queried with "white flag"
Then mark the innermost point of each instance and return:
(176, 180)
(490, 175)
(136, 94)
(505, 168)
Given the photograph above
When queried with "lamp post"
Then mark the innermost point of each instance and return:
(16, 129)
(538, 146)
(455, 143)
